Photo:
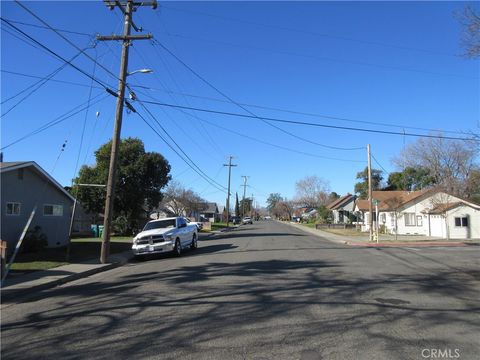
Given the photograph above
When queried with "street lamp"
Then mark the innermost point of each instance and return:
(142, 71)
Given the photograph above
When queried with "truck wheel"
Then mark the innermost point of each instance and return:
(178, 248)
(194, 244)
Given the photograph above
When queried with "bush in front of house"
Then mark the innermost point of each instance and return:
(35, 240)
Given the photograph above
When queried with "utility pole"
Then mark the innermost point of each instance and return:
(228, 193)
(245, 178)
(127, 10)
(370, 205)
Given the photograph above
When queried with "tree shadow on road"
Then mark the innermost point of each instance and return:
(286, 304)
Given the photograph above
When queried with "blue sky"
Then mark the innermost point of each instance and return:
(390, 66)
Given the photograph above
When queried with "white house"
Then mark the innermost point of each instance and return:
(429, 212)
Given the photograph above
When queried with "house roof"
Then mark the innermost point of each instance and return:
(390, 200)
(444, 207)
(11, 166)
(211, 208)
(340, 202)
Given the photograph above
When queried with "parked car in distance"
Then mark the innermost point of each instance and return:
(268, 217)
(165, 235)
(197, 223)
(247, 220)
(235, 220)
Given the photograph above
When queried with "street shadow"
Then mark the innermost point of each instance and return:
(222, 302)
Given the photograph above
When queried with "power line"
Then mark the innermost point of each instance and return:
(265, 120)
(213, 143)
(311, 124)
(284, 28)
(46, 27)
(246, 104)
(36, 86)
(66, 39)
(198, 170)
(386, 172)
(295, 112)
(205, 177)
(57, 120)
(325, 58)
(42, 78)
(274, 145)
(59, 56)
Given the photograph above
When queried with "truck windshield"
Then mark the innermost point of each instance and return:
(161, 224)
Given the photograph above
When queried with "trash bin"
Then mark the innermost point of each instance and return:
(94, 229)
(100, 230)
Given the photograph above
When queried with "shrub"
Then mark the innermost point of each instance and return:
(35, 240)
(121, 225)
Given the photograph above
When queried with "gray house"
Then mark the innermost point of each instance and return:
(25, 185)
(342, 208)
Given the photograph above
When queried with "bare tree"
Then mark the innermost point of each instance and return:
(394, 205)
(181, 201)
(470, 21)
(283, 209)
(312, 191)
(449, 162)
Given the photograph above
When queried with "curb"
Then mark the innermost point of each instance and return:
(413, 244)
(10, 294)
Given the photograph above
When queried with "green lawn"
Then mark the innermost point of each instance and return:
(81, 250)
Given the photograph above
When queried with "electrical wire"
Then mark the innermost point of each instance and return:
(304, 123)
(42, 78)
(36, 86)
(207, 179)
(386, 172)
(263, 119)
(57, 120)
(65, 38)
(270, 144)
(295, 112)
(284, 28)
(326, 58)
(58, 56)
(178, 146)
(46, 27)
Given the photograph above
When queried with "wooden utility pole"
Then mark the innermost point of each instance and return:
(127, 10)
(370, 204)
(228, 193)
(245, 178)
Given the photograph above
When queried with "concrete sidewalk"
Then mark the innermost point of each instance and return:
(387, 240)
(21, 285)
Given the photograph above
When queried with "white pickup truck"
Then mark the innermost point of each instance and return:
(165, 235)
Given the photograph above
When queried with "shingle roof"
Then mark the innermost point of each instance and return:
(390, 200)
(340, 202)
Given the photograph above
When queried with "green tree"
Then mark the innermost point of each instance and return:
(361, 188)
(237, 205)
(410, 179)
(140, 177)
(272, 200)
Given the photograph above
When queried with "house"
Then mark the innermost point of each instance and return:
(341, 208)
(210, 212)
(24, 186)
(428, 212)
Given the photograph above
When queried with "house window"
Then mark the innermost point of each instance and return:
(409, 219)
(20, 174)
(461, 221)
(419, 221)
(13, 208)
(52, 210)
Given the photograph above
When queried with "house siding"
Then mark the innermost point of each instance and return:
(29, 190)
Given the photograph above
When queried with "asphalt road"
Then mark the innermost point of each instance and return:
(263, 291)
